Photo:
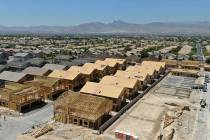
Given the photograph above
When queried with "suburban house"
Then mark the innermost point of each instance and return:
(3, 58)
(36, 71)
(15, 77)
(22, 56)
(54, 67)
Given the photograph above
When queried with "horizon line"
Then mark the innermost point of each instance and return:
(41, 25)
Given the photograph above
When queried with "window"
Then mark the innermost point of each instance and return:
(85, 123)
(75, 120)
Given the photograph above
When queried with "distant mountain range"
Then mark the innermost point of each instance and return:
(116, 27)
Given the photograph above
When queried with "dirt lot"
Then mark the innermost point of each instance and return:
(208, 48)
(66, 132)
(145, 118)
(186, 49)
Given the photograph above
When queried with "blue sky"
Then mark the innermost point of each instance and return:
(73, 12)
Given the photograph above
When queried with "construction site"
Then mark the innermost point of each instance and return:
(108, 99)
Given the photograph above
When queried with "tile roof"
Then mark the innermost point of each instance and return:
(35, 71)
(54, 67)
(11, 76)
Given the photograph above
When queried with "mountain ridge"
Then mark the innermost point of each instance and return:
(115, 27)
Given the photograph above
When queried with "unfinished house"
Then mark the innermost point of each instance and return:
(115, 93)
(207, 67)
(50, 88)
(142, 78)
(89, 73)
(102, 70)
(75, 79)
(191, 65)
(170, 63)
(121, 63)
(130, 84)
(151, 72)
(111, 66)
(15, 76)
(83, 110)
(36, 71)
(19, 96)
(160, 67)
(185, 72)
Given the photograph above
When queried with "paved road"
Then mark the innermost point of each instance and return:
(16, 125)
(202, 131)
(199, 49)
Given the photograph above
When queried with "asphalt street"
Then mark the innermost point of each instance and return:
(202, 130)
(13, 126)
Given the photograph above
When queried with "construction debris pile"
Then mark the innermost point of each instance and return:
(171, 121)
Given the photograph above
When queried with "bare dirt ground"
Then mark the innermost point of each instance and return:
(186, 49)
(208, 48)
(66, 132)
(145, 118)
(8, 112)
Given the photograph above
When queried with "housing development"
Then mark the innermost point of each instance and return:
(104, 88)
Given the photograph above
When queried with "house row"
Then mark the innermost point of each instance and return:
(77, 76)
(185, 64)
(125, 84)
(116, 89)
(52, 79)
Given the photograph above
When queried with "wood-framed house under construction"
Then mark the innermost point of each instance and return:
(138, 69)
(185, 72)
(191, 65)
(80, 109)
(121, 63)
(19, 96)
(50, 87)
(130, 84)
(112, 66)
(114, 93)
(207, 67)
(160, 67)
(142, 78)
(75, 79)
(89, 73)
(170, 63)
(102, 70)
